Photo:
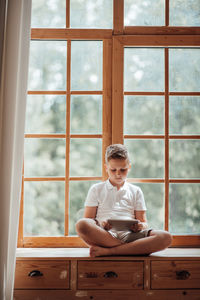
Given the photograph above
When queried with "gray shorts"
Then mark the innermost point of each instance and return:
(129, 236)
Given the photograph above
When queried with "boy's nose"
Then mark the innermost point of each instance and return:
(118, 172)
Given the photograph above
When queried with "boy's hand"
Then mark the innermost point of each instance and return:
(139, 226)
(106, 225)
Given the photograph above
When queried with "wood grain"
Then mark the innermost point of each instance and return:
(55, 275)
(160, 30)
(117, 92)
(107, 100)
(69, 34)
(107, 294)
(110, 275)
(118, 16)
(159, 40)
(166, 216)
(175, 274)
(49, 242)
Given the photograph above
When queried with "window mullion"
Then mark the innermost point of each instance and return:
(67, 13)
(166, 223)
(67, 156)
(117, 91)
(166, 12)
(118, 16)
(107, 99)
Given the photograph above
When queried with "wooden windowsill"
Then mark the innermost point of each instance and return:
(83, 254)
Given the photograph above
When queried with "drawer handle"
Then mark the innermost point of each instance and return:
(35, 273)
(182, 275)
(110, 274)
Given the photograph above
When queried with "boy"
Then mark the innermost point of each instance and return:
(116, 198)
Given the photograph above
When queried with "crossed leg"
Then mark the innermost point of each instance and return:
(102, 243)
(94, 235)
(157, 240)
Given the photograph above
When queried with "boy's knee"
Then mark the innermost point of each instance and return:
(166, 239)
(82, 226)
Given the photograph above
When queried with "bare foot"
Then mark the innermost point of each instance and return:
(98, 251)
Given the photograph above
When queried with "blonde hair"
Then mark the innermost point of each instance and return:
(116, 151)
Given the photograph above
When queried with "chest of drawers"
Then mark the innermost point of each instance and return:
(71, 274)
(114, 275)
(173, 274)
(42, 274)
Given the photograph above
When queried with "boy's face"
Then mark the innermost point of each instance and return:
(117, 170)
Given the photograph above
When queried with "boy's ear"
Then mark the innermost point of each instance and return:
(129, 167)
(106, 167)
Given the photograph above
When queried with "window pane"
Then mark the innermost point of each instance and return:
(184, 13)
(184, 70)
(185, 159)
(91, 14)
(50, 14)
(144, 13)
(86, 114)
(44, 206)
(184, 208)
(154, 199)
(184, 113)
(47, 66)
(86, 65)
(85, 157)
(143, 115)
(147, 158)
(45, 114)
(44, 157)
(78, 193)
(143, 69)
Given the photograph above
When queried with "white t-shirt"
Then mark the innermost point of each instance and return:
(113, 203)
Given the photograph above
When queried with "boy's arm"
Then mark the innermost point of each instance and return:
(141, 216)
(90, 212)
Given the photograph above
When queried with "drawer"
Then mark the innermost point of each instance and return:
(110, 275)
(43, 295)
(175, 274)
(38, 274)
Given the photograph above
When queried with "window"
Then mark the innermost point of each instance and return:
(91, 85)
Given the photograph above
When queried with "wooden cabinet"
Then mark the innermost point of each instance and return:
(72, 274)
(110, 275)
(175, 274)
(39, 274)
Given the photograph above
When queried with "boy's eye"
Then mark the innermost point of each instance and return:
(123, 170)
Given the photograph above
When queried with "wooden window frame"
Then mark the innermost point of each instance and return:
(71, 241)
(114, 42)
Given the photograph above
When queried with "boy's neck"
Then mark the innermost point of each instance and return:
(118, 186)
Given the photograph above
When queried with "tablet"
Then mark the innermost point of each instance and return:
(122, 224)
